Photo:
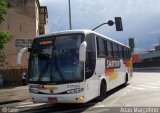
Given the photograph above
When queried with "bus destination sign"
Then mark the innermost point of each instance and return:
(45, 42)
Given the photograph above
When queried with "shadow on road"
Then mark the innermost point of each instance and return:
(109, 93)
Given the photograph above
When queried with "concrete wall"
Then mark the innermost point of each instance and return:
(147, 69)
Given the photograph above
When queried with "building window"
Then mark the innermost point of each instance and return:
(20, 28)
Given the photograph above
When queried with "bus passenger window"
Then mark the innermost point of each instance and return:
(115, 50)
(123, 52)
(120, 51)
(109, 48)
(124, 49)
(100, 47)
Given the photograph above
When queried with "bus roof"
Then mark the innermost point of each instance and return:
(85, 31)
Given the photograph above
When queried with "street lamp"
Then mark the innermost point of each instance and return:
(70, 26)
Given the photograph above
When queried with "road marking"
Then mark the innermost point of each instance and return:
(25, 103)
(149, 86)
(127, 105)
(155, 84)
(99, 106)
(29, 105)
(138, 88)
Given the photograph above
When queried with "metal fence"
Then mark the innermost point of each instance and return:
(12, 75)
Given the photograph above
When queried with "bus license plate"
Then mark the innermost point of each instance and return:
(52, 99)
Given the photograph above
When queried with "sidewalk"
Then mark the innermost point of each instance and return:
(16, 94)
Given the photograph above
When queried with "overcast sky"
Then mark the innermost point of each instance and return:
(141, 18)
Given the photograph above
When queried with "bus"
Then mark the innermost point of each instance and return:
(76, 66)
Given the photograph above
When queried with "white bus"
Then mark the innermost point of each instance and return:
(76, 66)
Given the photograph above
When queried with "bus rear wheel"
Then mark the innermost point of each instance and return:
(102, 92)
(126, 80)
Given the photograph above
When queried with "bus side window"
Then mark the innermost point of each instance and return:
(112, 51)
(101, 47)
(120, 51)
(109, 48)
(90, 56)
(106, 49)
(115, 50)
(126, 53)
(123, 52)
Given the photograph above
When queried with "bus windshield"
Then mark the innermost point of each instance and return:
(56, 60)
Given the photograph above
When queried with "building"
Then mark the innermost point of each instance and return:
(150, 58)
(25, 20)
(136, 58)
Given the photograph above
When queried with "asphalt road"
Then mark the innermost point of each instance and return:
(142, 91)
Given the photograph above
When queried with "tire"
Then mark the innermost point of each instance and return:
(126, 81)
(102, 92)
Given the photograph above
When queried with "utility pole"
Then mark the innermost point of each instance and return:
(131, 44)
(70, 24)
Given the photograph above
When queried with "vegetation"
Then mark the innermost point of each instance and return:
(4, 35)
(3, 10)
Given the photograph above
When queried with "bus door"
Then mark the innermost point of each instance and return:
(90, 64)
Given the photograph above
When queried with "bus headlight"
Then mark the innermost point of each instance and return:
(77, 90)
(33, 91)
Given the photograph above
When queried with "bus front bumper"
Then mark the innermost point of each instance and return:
(65, 98)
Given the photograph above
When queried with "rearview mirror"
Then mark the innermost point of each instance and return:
(82, 51)
(19, 55)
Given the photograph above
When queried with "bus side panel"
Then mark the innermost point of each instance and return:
(122, 72)
(93, 83)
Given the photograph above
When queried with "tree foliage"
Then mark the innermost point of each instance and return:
(4, 35)
(3, 10)
(4, 38)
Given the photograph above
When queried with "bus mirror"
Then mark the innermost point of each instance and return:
(82, 51)
(19, 55)
(29, 49)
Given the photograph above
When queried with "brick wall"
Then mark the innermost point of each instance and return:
(20, 21)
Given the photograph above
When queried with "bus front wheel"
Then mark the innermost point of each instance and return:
(102, 91)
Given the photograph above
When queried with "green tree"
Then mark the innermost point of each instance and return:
(3, 10)
(4, 38)
(4, 35)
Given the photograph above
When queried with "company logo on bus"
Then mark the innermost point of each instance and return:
(112, 63)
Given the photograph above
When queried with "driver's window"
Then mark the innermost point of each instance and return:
(90, 56)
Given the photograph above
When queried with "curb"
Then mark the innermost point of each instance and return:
(13, 101)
